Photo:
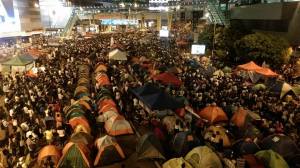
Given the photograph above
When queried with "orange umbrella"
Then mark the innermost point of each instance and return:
(239, 117)
(213, 114)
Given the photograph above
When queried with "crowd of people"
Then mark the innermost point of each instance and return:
(30, 103)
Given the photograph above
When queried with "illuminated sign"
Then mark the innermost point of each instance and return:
(198, 49)
(115, 22)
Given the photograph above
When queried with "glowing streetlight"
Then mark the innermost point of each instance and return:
(135, 5)
(36, 5)
(122, 5)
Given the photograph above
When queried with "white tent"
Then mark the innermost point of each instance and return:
(118, 55)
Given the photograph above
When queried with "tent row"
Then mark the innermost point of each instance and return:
(115, 123)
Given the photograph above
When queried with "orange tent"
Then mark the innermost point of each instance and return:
(74, 122)
(118, 125)
(49, 150)
(250, 66)
(103, 144)
(104, 102)
(266, 72)
(213, 114)
(103, 80)
(100, 68)
(106, 108)
(240, 116)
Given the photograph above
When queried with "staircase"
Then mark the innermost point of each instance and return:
(217, 15)
(68, 28)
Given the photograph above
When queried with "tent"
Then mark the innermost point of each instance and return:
(81, 137)
(241, 116)
(49, 151)
(101, 68)
(220, 134)
(102, 79)
(213, 114)
(75, 155)
(176, 163)
(108, 150)
(272, 159)
(280, 88)
(118, 125)
(20, 63)
(82, 121)
(183, 142)
(266, 72)
(202, 157)
(245, 147)
(250, 66)
(149, 147)
(118, 55)
(107, 115)
(168, 78)
(281, 144)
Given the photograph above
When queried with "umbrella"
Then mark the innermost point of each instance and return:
(244, 147)
(203, 156)
(241, 116)
(183, 142)
(272, 159)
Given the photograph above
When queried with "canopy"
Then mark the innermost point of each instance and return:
(161, 101)
(202, 157)
(266, 72)
(220, 134)
(176, 163)
(19, 60)
(75, 155)
(149, 147)
(118, 55)
(272, 159)
(118, 125)
(168, 78)
(49, 151)
(250, 66)
(183, 142)
(213, 114)
(108, 150)
(241, 116)
(281, 144)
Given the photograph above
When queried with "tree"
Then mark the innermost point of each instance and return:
(261, 48)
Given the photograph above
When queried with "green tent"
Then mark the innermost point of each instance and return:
(75, 155)
(272, 159)
(19, 60)
(203, 157)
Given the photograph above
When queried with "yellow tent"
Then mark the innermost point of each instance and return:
(176, 163)
(203, 157)
(118, 125)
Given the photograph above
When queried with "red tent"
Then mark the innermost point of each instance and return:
(168, 78)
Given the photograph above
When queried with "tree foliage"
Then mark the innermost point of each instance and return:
(262, 47)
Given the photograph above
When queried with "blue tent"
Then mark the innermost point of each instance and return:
(155, 98)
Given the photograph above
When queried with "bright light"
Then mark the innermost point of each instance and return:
(36, 5)
(122, 5)
(167, 9)
(81, 9)
(136, 5)
(206, 15)
(178, 7)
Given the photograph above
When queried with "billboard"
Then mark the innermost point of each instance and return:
(198, 49)
(9, 17)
